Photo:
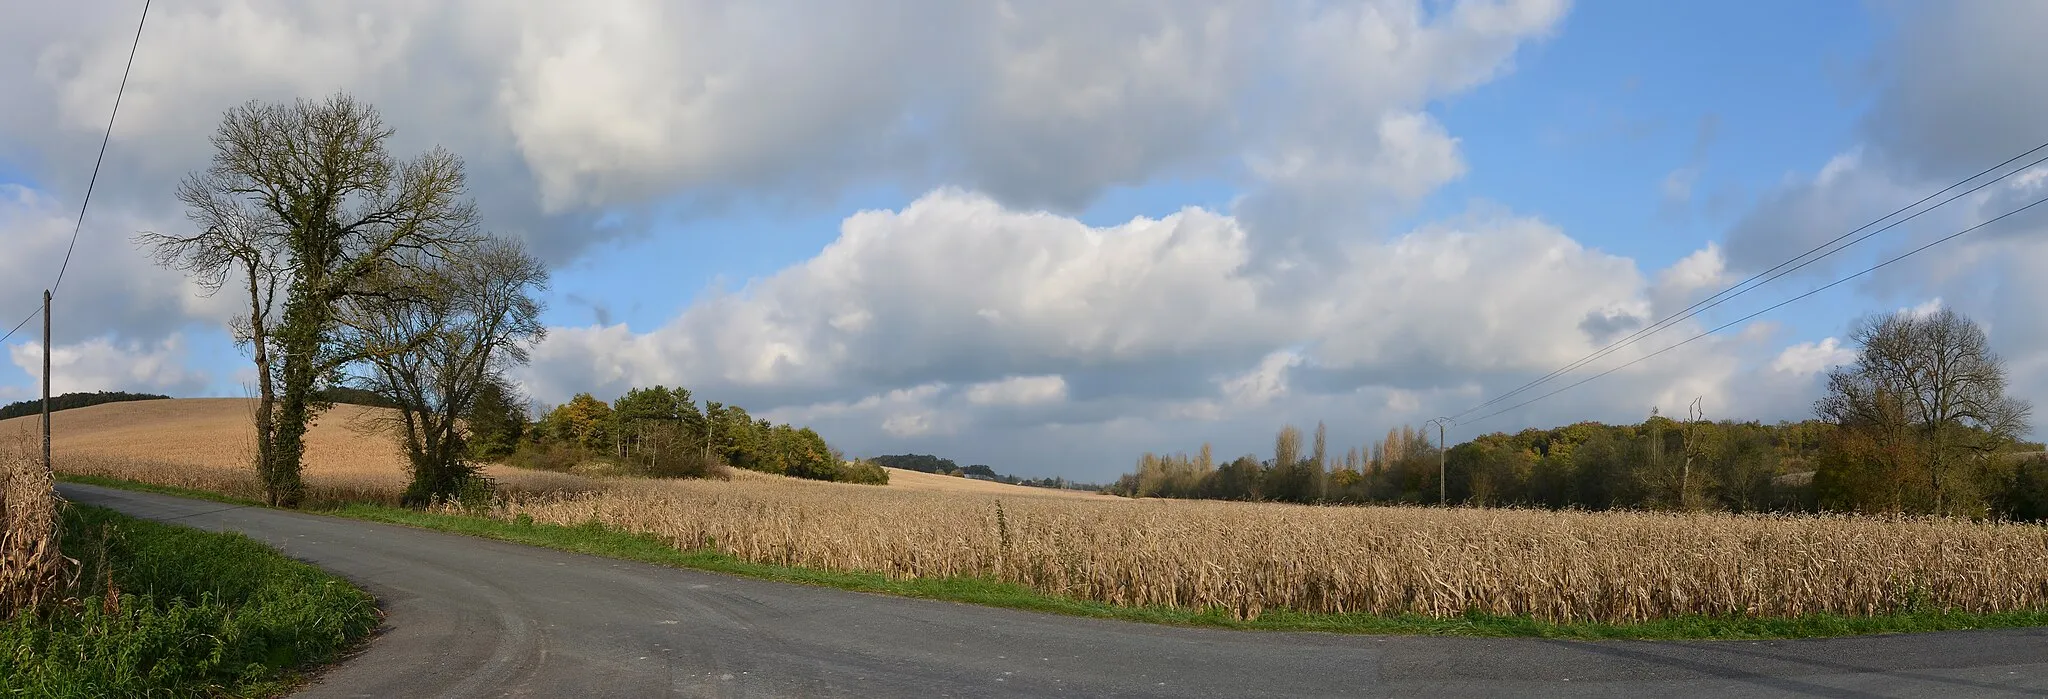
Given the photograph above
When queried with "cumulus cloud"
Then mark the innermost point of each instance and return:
(568, 108)
(1005, 321)
(1949, 100)
(1019, 390)
(107, 289)
(103, 365)
(981, 318)
(630, 112)
(1264, 383)
(1809, 358)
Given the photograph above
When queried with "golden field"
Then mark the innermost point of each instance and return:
(1242, 558)
(210, 444)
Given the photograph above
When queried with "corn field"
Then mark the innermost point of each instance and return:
(31, 565)
(1246, 559)
(1250, 558)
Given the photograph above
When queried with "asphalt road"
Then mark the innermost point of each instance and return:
(470, 617)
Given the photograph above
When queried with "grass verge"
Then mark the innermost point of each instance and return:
(596, 539)
(163, 610)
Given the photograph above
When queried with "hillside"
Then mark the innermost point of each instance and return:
(209, 442)
(204, 431)
(904, 479)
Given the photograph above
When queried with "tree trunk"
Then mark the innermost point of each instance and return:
(266, 391)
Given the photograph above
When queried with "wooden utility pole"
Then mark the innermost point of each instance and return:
(1693, 415)
(1442, 460)
(46, 383)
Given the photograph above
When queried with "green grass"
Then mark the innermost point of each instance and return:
(191, 613)
(598, 540)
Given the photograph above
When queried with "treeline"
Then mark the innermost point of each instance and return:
(1725, 465)
(71, 400)
(1659, 463)
(658, 431)
(927, 463)
(1920, 424)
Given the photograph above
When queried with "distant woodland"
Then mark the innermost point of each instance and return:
(947, 467)
(1919, 424)
(72, 400)
(657, 431)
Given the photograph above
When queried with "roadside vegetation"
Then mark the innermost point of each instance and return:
(158, 610)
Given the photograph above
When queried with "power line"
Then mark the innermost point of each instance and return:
(1746, 286)
(103, 148)
(24, 321)
(1773, 307)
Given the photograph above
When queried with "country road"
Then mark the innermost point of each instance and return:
(471, 617)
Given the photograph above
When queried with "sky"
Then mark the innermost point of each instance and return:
(1051, 236)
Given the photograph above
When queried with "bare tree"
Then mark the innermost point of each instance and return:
(448, 329)
(1926, 387)
(234, 239)
(339, 209)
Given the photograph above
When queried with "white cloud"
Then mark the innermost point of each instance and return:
(1681, 285)
(1019, 390)
(980, 316)
(569, 108)
(1264, 383)
(1925, 309)
(1042, 320)
(107, 288)
(103, 365)
(916, 424)
(1810, 358)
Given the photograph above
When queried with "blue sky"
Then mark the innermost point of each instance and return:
(1050, 239)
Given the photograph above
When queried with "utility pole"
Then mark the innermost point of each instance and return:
(46, 383)
(1442, 458)
(1693, 415)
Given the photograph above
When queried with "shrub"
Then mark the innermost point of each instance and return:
(683, 464)
(864, 472)
(163, 610)
(546, 456)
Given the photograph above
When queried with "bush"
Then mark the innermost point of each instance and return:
(546, 456)
(163, 610)
(682, 464)
(863, 472)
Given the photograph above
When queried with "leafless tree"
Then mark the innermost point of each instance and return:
(1929, 388)
(450, 327)
(234, 239)
(313, 183)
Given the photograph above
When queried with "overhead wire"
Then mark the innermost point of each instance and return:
(1768, 309)
(1772, 274)
(104, 139)
(17, 326)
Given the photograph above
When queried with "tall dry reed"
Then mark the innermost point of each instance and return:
(1250, 558)
(31, 564)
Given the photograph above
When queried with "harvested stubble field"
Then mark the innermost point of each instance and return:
(1246, 559)
(209, 443)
